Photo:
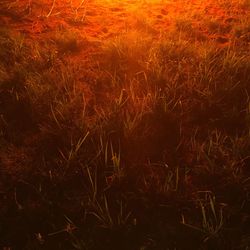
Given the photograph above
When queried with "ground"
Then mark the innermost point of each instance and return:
(124, 124)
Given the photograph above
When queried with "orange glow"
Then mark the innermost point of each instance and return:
(124, 124)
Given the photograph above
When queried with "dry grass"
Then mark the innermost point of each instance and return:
(136, 141)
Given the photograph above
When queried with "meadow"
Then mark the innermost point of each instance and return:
(125, 125)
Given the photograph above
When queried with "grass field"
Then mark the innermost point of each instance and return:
(125, 125)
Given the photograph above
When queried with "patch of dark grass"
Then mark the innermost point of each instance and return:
(67, 42)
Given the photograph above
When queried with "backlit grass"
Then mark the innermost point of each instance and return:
(137, 140)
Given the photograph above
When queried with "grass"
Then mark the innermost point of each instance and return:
(132, 142)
